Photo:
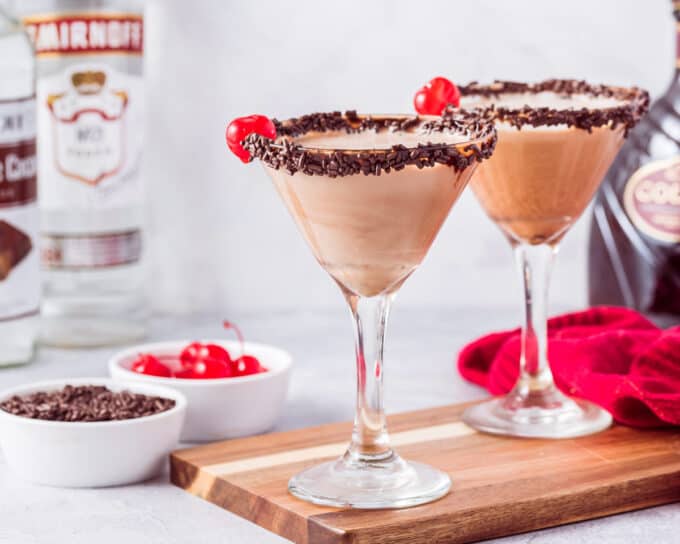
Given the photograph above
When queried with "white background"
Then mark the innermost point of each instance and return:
(220, 239)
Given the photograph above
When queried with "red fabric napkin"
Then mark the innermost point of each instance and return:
(611, 356)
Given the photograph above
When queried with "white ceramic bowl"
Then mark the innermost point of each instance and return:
(92, 453)
(225, 407)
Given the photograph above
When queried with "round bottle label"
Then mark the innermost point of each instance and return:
(651, 199)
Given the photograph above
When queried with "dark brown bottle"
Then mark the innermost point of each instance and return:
(634, 253)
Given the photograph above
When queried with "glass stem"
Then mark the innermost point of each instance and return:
(534, 263)
(370, 441)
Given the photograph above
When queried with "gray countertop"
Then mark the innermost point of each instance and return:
(419, 373)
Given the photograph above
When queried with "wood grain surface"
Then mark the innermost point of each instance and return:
(501, 485)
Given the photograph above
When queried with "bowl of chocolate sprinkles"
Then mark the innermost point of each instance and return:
(89, 432)
(85, 403)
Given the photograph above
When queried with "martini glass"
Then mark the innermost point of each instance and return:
(556, 140)
(369, 194)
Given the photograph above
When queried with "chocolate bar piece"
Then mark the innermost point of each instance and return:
(15, 244)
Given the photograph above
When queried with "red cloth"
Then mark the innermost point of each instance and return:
(611, 356)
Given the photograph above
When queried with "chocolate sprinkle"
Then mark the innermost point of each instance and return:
(85, 403)
(635, 103)
(293, 157)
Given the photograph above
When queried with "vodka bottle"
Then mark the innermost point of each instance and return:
(90, 103)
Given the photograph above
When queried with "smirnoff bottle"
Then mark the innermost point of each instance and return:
(90, 107)
(19, 259)
(634, 254)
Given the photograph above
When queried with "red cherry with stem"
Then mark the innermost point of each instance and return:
(206, 369)
(245, 364)
(151, 366)
(197, 352)
(241, 127)
(435, 96)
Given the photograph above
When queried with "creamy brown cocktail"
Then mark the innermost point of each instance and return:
(369, 194)
(555, 143)
(542, 179)
(556, 140)
(370, 233)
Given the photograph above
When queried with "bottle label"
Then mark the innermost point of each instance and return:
(19, 261)
(91, 251)
(651, 199)
(87, 140)
(87, 33)
(90, 117)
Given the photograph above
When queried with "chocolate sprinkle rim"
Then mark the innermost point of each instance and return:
(635, 104)
(285, 153)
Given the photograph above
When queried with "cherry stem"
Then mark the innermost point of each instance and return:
(229, 325)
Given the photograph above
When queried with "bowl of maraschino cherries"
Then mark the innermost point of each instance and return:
(233, 388)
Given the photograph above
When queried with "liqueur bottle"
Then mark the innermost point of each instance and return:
(634, 253)
(90, 104)
(19, 255)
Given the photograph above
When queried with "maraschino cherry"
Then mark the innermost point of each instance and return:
(245, 365)
(199, 361)
(147, 364)
(205, 369)
(241, 127)
(435, 96)
(204, 361)
(197, 352)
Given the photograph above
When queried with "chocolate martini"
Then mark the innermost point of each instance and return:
(369, 194)
(370, 235)
(556, 140)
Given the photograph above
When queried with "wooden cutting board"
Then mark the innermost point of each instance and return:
(501, 486)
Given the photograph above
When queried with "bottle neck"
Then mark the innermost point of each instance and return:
(676, 12)
(676, 16)
(677, 37)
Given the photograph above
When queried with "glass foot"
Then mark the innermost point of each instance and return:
(391, 483)
(545, 414)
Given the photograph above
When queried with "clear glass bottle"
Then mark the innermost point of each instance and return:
(19, 254)
(90, 101)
